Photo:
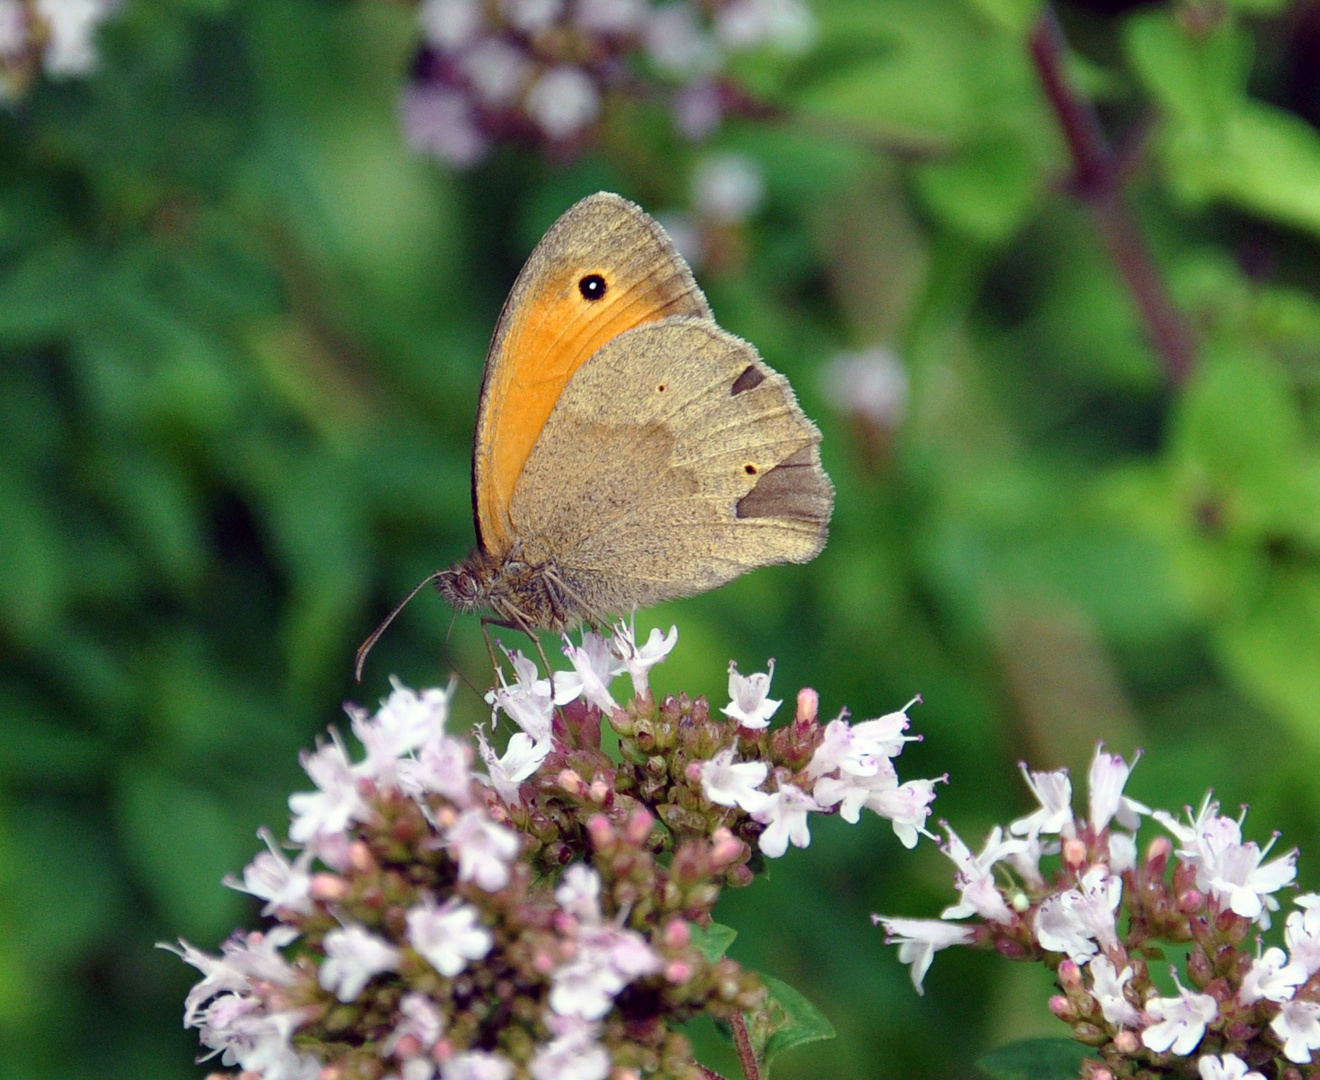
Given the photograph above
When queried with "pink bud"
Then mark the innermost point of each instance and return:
(360, 857)
(639, 827)
(1070, 975)
(1159, 848)
(328, 887)
(408, 1047)
(678, 971)
(677, 934)
(443, 1050)
(1191, 901)
(1074, 852)
(1126, 1042)
(570, 782)
(599, 791)
(725, 847)
(601, 832)
(692, 774)
(1061, 1007)
(544, 962)
(808, 705)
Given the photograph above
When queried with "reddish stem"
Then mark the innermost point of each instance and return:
(742, 1042)
(1097, 181)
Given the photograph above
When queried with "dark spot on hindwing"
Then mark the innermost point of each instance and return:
(749, 379)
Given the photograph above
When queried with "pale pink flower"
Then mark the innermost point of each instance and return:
(918, 941)
(484, 849)
(1271, 977)
(447, 937)
(785, 818)
(750, 704)
(353, 957)
(1298, 1025)
(730, 783)
(1180, 1021)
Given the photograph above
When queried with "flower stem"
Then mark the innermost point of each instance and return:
(1097, 181)
(751, 1067)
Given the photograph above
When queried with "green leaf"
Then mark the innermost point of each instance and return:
(1274, 651)
(986, 191)
(1036, 1059)
(788, 1020)
(712, 941)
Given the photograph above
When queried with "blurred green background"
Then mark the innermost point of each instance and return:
(242, 327)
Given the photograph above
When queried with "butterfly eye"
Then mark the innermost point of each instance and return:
(592, 287)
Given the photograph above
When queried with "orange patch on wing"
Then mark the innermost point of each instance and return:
(551, 337)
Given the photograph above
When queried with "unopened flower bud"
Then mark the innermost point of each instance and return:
(678, 971)
(808, 705)
(725, 847)
(1090, 1034)
(638, 828)
(1020, 902)
(360, 857)
(601, 832)
(1127, 1042)
(1061, 1007)
(570, 782)
(676, 934)
(1074, 853)
(1070, 975)
(599, 792)
(443, 1050)
(1190, 902)
(407, 1047)
(328, 887)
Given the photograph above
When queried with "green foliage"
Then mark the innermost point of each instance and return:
(241, 335)
(1035, 1059)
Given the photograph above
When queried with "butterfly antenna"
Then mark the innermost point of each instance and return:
(365, 647)
(453, 664)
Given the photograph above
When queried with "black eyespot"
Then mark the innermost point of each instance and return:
(749, 469)
(660, 389)
(592, 287)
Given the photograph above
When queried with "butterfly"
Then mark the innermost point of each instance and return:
(627, 449)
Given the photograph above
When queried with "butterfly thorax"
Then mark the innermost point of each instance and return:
(521, 594)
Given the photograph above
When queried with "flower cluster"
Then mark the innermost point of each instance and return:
(542, 71)
(1239, 1010)
(54, 36)
(545, 918)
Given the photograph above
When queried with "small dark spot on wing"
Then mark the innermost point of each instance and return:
(750, 378)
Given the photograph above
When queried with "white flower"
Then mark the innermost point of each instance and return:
(1301, 932)
(698, 110)
(1180, 1021)
(1298, 1025)
(71, 26)
(1108, 776)
(476, 1065)
(1271, 977)
(259, 1042)
(608, 958)
(594, 668)
(749, 703)
(734, 784)
(1122, 852)
(422, 1020)
(677, 45)
(727, 188)
(1107, 988)
(522, 757)
(443, 767)
(1227, 867)
(496, 70)
(639, 661)
(448, 25)
(786, 24)
(1228, 1067)
(862, 749)
(528, 702)
(975, 877)
(563, 101)
(574, 1053)
(448, 937)
(1053, 790)
(244, 959)
(1073, 921)
(609, 16)
(907, 807)
(532, 16)
(871, 384)
(329, 809)
(273, 878)
(578, 892)
(918, 941)
(405, 721)
(353, 956)
(14, 28)
(439, 120)
(785, 818)
(484, 849)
